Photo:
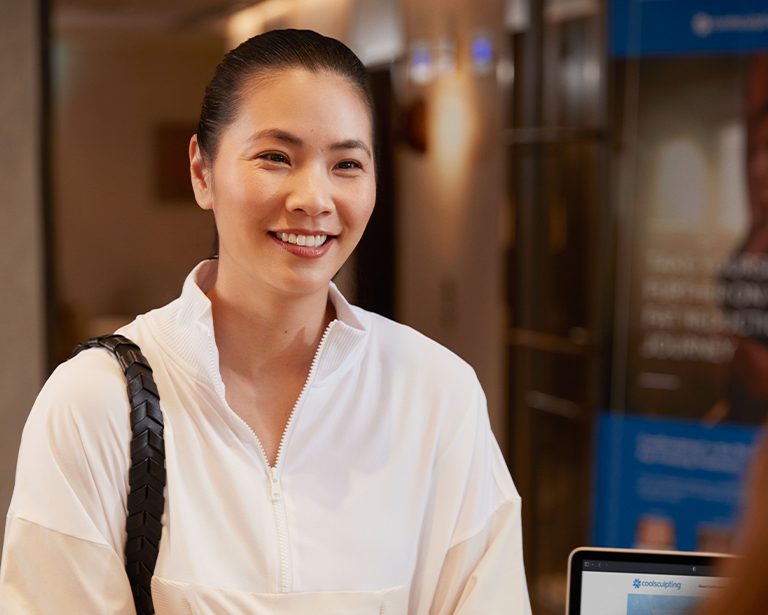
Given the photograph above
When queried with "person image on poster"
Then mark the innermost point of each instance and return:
(745, 278)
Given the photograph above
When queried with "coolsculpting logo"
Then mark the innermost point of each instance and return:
(637, 583)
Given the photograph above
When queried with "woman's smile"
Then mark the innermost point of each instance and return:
(304, 244)
(301, 239)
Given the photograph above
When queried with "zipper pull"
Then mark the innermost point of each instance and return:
(274, 483)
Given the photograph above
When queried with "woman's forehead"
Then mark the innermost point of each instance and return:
(298, 79)
(290, 100)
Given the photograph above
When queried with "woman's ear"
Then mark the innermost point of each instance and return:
(200, 173)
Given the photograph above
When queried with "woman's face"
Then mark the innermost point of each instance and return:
(292, 185)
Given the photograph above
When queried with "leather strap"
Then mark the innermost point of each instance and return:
(147, 474)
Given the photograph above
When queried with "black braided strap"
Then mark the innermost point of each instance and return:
(147, 474)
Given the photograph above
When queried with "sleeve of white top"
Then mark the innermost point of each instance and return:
(482, 570)
(65, 530)
(48, 573)
(484, 574)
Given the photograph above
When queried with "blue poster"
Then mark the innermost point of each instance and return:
(666, 483)
(668, 27)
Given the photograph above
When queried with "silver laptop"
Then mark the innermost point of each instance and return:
(638, 582)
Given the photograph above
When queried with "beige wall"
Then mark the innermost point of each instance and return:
(21, 263)
(451, 202)
(120, 249)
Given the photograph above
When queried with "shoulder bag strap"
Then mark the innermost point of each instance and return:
(147, 474)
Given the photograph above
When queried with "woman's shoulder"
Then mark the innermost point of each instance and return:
(398, 343)
(74, 453)
(87, 393)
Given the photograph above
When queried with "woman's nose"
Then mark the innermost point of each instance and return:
(310, 192)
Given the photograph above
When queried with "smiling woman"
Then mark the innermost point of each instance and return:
(320, 458)
(296, 161)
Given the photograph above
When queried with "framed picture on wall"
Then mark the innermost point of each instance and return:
(170, 156)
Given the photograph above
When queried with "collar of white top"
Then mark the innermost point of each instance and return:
(185, 327)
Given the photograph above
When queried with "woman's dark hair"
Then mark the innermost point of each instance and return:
(271, 51)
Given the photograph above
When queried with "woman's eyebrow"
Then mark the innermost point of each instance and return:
(352, 144)
(275, 133)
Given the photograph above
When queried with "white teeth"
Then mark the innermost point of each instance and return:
(310, 241)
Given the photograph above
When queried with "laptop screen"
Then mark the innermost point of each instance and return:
(607, 582)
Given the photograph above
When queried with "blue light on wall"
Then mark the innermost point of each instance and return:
(481, 53)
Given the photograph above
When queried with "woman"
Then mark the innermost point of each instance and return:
(320, 459)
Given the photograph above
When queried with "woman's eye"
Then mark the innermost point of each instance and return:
(273, 157)
(349, 164)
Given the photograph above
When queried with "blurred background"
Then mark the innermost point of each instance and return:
(573, 197)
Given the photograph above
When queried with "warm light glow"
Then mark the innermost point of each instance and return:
(452, 131)
(505, 72)
(253, 20)
(377, 32)
(329, 17)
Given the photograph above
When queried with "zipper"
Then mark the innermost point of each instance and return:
(284, 583)
(286, 580)
(276, 491)
(303, 393)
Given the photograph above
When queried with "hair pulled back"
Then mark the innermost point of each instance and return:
(272, 51)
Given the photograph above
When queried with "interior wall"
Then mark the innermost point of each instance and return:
(452, 200)
(22, 361)
(121, 249)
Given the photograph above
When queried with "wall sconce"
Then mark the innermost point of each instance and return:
(481, 53)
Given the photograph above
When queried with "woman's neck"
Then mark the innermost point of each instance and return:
(260, 330)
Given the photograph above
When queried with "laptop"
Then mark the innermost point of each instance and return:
(638, 582)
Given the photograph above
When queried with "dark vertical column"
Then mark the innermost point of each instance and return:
(376, 250)
(526, 270)
(46, 186)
